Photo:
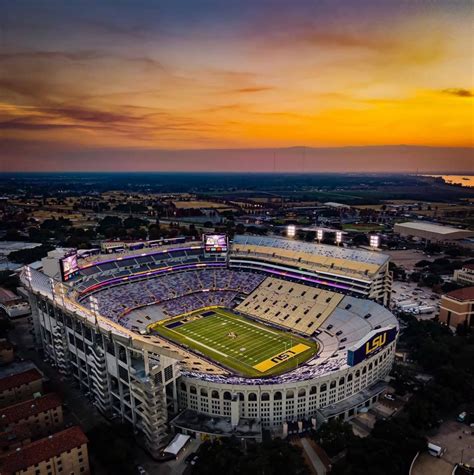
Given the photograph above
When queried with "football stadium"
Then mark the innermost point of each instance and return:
(214, 338)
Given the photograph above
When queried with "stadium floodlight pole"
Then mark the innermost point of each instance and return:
(53, 293)
(291, 231)
(28, 276)
(94, 307)
(374, 241)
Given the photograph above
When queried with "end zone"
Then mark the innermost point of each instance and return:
(281, 357)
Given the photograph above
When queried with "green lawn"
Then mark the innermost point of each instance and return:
(238, 343)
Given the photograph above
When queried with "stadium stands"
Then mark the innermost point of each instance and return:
(290, 305)
(182, 291)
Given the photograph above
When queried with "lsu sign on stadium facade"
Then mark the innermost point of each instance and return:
(217, 338)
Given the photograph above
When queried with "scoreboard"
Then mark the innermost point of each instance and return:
(215, 244)
(374, 342)
(68, 266)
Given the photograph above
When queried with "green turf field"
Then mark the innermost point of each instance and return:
(238, 343)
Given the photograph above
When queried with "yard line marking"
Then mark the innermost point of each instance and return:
(205, 346)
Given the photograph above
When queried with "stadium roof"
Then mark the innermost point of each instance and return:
(432, 227)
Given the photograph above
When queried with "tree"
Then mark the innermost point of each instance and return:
(360, 240)
(9, 280)
(422, 263)
(334, 436)
(113, 445)
(389, 449)
(230, 456)
(27, 256)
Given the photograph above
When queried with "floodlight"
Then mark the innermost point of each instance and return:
(374, 240)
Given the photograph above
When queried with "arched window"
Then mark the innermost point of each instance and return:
(313, 390)
(357, 373)
(252, 397)
(302, 393)
(182, 386)
(332, 385)
(349, 378)
(203, 392)
(370, 366)
(324, 387)
(265, 397)
(290, 394)
(192, 389)
(341, 381)
(215, 395)
(227, 396)
(364, 370)
(241, 396)
(277, 396)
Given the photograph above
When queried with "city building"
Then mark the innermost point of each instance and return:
(457, 307)
(7, 352)
(42, 415)
(64, 452)
(16, 386)
(432, 232)
(13, 305)
(465, 275)
(99, 327)
(13, 438)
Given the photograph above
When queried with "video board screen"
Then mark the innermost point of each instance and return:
(372, 346)
(69, 267)
(215, 243)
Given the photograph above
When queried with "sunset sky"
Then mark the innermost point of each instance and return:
(154, 85)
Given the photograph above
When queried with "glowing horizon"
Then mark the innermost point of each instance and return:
(154, 85)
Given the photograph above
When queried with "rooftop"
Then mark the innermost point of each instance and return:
(355, 400)
(13, 435)
(7, 295)
(43, 449)
(432, 227)
(23, 410)
(203, 423)
(19, 378)
(462, 294)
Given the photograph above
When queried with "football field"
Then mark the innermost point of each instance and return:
(238, 343)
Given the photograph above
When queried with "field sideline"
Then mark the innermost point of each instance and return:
(240, 344)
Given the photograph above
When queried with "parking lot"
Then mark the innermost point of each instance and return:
(457, 440)
(410, 298)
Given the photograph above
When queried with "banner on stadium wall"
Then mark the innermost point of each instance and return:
(374, 342)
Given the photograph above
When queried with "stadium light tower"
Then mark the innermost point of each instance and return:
(291, 230)
(319, 235)
(338, 237)
(374, 241)
(94, 307)
(28, 275)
